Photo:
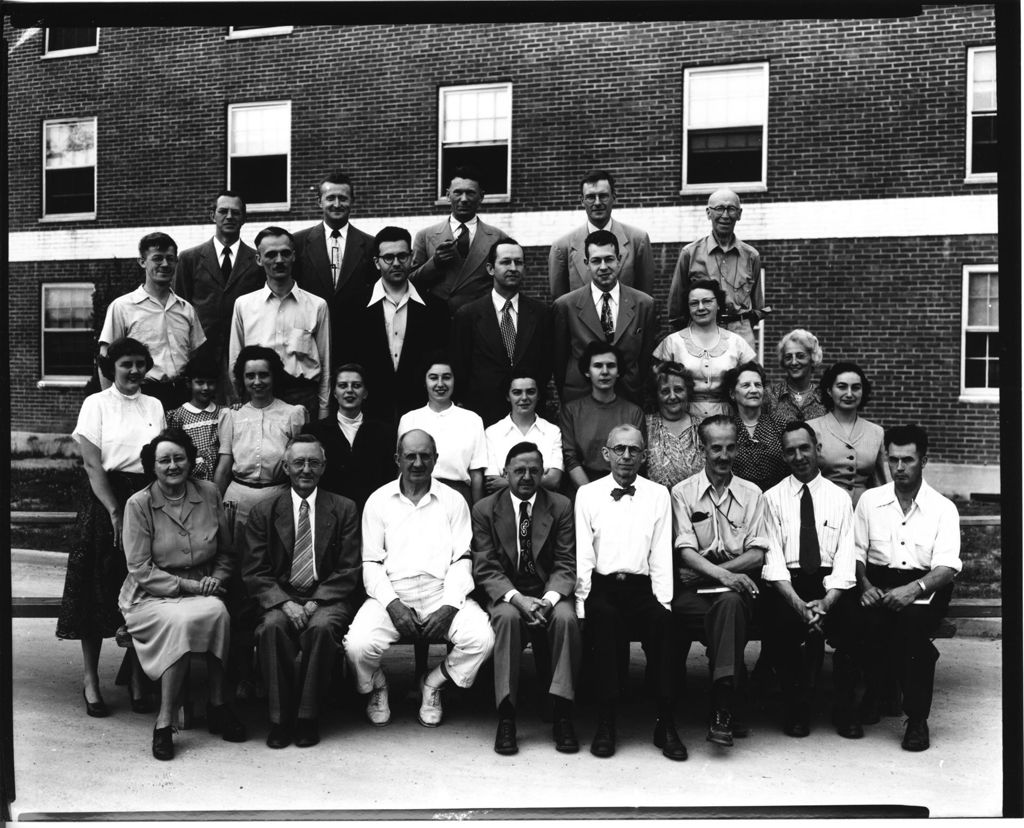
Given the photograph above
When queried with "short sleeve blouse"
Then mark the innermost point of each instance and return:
(119, 426)
(257, 437)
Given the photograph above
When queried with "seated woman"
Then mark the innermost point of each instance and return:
(758, 429)
(797, 397)
(673, 448)
(852, 455)
(585, 422)
(178, 551)
(705, 350)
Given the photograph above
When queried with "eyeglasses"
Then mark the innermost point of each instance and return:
(590, 198)
(299, 465)
(389, 258)
(732, 212)
(621, 451)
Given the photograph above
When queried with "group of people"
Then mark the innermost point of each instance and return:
(243, 495)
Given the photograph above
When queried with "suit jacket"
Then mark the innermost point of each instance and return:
(481, 361)
(567, 261)
(495, 551)
(313, 266)
(576, 323)
(266, 545)
(467, 279)
(355, 470)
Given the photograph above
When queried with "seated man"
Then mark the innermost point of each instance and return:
(418, 573)
(908, 552)
(300, 553)
(524, 560)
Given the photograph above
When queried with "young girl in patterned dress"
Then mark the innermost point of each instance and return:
(200, 417)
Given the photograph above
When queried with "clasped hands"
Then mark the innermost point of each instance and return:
(299, 614)
(535, 611)
(434, 628)
(895, 599)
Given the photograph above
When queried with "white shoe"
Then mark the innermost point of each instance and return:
(377, 709)
(430, 708)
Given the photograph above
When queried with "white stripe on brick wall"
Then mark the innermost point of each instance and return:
(866, 218)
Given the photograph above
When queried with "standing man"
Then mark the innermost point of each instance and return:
(300, 553)
(524, 560)
(908, 552)
(811, 565)
(567, 261)
(500, 334)
(608, 311)
(158, 318)
(624, 584)
(292, 321)
(449, 258)
(720, 540)
(734, 264)
(213, 275)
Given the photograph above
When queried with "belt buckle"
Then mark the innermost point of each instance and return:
(620, 576)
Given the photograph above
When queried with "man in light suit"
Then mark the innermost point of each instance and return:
(302, 564)
(567, 261)
(524, 560)
(608, 311)
(213, 275)
(449, 258)
(498, 334)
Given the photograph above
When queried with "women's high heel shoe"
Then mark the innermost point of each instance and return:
(163, 744)
(98, 710)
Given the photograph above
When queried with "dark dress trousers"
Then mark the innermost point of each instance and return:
(482, 367)
(355, 470)
(464, 279)
(496, 571)
(266, 546)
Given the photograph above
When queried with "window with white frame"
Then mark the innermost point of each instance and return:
(980, 344)
(66, 41)
(241, 32)
(475, 129)
(67, 332)
(69, 168)
(982, 143)
(259, 154)
(725, 127)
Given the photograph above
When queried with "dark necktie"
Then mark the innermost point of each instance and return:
(617, 494)
(225, 265)
(508, 330)
(335, 255)
(526, 565)
(810, 551)
(607, 323)
(302, 560)
(462, 242)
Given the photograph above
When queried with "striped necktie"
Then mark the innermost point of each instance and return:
(302, 560)
(508, 330)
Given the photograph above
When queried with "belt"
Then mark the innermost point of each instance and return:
(250, 485)
(621, 577)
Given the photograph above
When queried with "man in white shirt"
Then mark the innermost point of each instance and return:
(417, 570)
(908, 553)
(624, 584)
(292, 321)
(810, 563)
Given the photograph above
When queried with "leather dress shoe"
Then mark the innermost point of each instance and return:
(222, 719)
(604, 739)
(98, 710)
(163, 743)
(307, 732)
(505, 738)
(280, 735)
(666, 738)
(720, 730)
(565, 736)
(797, 727)
(916, 736)
(847, 724)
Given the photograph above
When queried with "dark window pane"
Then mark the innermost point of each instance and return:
(492, 162)
(984, 147)
(724, 155)
(974, 373)
(993, 374)
(975, 345)
(68, 353)
(69, 191)
(260, 179)
(70, 38)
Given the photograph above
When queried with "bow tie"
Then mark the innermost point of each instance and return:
(618, 493)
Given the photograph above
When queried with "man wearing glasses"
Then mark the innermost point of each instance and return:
(734, 264)
(720, 541)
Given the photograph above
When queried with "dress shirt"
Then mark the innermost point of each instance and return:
(551, 596)
(632, 534)
(499, 304)
(504, 434)
(926, 537)
(341, 240)
(257, 437)
(296, 326)
(459, 435)
(171, 330)
(395, 315)
(119, 426)
(598, 296)
(402, 539)
(833, 521)
(350, 426)
(470, 225)
(219, 249)
(735, 526)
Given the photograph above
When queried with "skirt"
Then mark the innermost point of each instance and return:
(165, 629)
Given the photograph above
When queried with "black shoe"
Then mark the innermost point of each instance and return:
(98, 710)
(604, 740)
(740, 728)
(797, 726)
(565, 736)
(720, 731)
(666, 738)
(916, 737)
(280, 735)
(307, 732)
(505, 738)
(870, 709)
(163, 744)
(847, 724)
(222, 719)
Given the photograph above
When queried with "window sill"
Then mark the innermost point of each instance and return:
(270, 31)
(63, 382)
(283, 207)
(67, 217)
(63, 53)
(708, 189)
(982, 178)
(990, 399)
(489, 199)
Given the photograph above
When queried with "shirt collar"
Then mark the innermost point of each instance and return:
(296, 500)
(139, 295)
(517, 500)
(219, 248)
(378, 293)
(499, 301)
(295, 292)
(454, 224)
(714, 245)
(396, 491)
(343, 420)
(926, 498)
(597, 293)
(193, 410)
(593, 229)
(704, 484)
(509, 427)
(159, 499)
(796, 487)
(342, 231)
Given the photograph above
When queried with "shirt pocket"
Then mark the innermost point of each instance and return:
(300, 343)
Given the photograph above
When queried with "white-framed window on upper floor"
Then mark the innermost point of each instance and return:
(725, 128)
(68, 340)
(475, 130)
(259, 154)
(982, 137)
(980, 343)
(245, 32)
(66, 41)
(69, 169)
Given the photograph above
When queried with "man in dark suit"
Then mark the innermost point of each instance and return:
(603, 310)
(498, 334)
(212, 276)
(302, 564)
(567, 261)
(390, 329)
(449, 258)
